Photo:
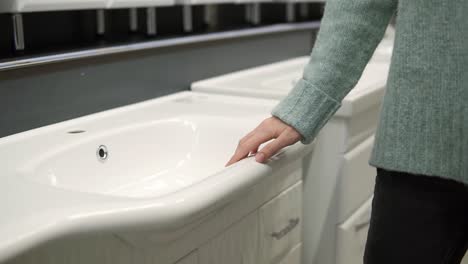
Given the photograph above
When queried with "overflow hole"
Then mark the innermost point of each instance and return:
(76, 131)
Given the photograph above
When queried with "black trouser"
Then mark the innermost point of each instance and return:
(417, 219)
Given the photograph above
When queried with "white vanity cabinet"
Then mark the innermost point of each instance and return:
(259, 225)
(338, 179)
(269, 235)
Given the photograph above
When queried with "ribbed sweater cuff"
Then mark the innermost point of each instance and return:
(307, 109)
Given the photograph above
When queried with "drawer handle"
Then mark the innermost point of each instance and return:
(292, 224)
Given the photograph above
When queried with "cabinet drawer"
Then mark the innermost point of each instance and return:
(192, 258)
(357, 179)
(237, 245)
(352, 236)
(280, 224)
(293, 257)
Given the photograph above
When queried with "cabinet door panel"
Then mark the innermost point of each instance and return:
(280, 224)
(352, 236)
(293, 257)
(357, 179)
(237, 245)
(465, 259)
(192, 258)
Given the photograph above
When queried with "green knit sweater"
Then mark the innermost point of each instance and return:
(423, 127)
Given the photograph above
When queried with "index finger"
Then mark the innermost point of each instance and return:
(249, 144)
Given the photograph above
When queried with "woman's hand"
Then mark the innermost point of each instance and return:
(270, 128)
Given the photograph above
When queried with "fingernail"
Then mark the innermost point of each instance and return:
(260, 157)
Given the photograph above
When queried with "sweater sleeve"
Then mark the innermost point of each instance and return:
(349, 33)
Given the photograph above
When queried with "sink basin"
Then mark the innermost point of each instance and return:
(143, 159)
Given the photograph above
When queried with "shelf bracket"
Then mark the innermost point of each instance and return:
(290, 12)
(256, 13)
(304, 10)
(187, 17)
(133, 19)
(101, 22)
(211, 15)
(151, 21)
(18, 31)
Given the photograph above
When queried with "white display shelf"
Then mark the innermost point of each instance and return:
(138, 3)
(22, 6)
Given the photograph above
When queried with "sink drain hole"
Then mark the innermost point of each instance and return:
(102, 153)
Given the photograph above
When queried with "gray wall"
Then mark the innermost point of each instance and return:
(41, 95)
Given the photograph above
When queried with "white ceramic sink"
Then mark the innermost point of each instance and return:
(274, 81)
(164, 168)
(140, 160)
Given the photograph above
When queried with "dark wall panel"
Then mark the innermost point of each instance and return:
(42, 95)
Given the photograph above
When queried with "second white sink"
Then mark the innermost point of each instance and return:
(275, 80)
